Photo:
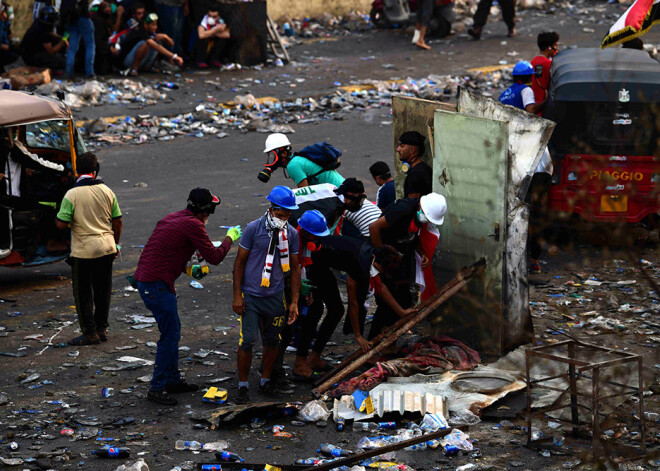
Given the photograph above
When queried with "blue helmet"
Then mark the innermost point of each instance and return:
(283, 197)
(523, 68)
(314, 222)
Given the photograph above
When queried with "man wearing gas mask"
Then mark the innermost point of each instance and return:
(302, 170)
(165, 256)
(419, 175)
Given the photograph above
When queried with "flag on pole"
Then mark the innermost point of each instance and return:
(636, 21)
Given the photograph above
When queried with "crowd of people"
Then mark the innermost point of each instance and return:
(284, 273)
(120, 36)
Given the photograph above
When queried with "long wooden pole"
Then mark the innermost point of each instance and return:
(403, 325)
(391, 328)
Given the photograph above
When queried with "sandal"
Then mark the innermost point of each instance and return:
(84, 340)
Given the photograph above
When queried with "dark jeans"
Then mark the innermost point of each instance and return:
(209, 49)
(171, 20)
(536, 198)
(508, 8)
(385, 315)
(326, 293)
(425, 11)
(161, 301)
(92, 286)
(83, 29)
(45, 60)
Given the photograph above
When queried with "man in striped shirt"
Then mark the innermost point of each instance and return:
(360, 212)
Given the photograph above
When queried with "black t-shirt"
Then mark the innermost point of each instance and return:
(399, 215)
(418, 180)
(134, 37)
(35, 38)
(346, 254)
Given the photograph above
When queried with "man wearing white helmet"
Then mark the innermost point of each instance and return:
(302, 170)
(399, 226)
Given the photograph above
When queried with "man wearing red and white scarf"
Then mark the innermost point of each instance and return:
(268, 250)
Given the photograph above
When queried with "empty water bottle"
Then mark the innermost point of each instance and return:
(309, 461)
(215, 446)
(365, 427)
(330, 450)
(228, 456)
(341, 423)
(418, 446)
(187, 445)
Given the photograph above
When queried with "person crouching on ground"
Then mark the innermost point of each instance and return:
(212, 35)
(268, 250)
(143, 44)
(174, 240)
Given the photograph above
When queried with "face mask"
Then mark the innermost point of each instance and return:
(405, 166)
(421, 217)
(278, 223)
(210, 21)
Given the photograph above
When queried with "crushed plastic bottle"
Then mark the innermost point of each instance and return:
(372, 427)
(187, 445)
(215, 446)
(228, 456)
(112, 453)
(330, 450)
(458, 439)
(433, 423)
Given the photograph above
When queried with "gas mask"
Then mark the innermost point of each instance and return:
(421, 217)
(405, 166)
(273, 162)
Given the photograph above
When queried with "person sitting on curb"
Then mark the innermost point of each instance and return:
(268, 250)
(143, 45)
(173, 242)
(212, 35)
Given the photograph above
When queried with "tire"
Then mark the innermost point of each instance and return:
(379, 20)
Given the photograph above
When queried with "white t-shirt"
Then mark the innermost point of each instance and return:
(527, 95)
(363, 217)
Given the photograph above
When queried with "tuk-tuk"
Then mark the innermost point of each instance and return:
(606, 104)
(39, 142)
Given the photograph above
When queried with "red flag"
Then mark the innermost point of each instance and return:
(636, 21)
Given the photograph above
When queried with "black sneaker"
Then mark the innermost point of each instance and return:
(182, 387)
(283, 385)
(161, 397)
(270, 389)
(243, 396)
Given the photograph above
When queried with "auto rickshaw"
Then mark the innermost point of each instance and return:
(606, 104)
(39, 143)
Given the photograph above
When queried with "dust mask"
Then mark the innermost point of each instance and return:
(210, 21)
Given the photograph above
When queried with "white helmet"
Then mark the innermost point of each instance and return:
(275, 141)
(434, 207)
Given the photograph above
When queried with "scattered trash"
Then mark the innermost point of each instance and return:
(314, 411)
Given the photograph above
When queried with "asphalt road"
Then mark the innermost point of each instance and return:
(229, 167)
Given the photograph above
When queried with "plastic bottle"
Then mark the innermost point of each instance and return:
(418, 446)
(330, 450)
(112, 453)
(228, 456)
(214, 446)
(341, 423)
(186, 445)
(309, 461)
(372, 427)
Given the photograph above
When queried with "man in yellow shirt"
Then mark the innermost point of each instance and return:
(90, 209)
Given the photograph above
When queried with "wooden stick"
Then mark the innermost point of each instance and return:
(349, 460)
(446, 292)
(391, 328)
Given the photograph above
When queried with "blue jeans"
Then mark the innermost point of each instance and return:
(83, 27)
(171, 21)
(146, 63)
(161, 301)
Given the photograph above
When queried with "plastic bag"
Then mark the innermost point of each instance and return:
(458, 439)
(464, 417)
(139, 465)
(315, 411)
(433, 423)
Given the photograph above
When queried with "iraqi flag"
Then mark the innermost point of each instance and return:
(636, 21)
(428, 237)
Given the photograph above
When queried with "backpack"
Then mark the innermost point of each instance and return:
(322, 154)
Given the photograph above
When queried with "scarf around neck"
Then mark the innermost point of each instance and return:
(278, 238)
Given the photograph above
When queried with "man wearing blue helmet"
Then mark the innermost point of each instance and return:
(268, 250)
(520, 94)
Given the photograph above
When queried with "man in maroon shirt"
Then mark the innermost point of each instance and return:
(175, 239)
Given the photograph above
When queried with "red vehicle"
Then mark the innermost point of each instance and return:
(606, 104)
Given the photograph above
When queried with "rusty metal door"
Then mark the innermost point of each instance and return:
(470, 170)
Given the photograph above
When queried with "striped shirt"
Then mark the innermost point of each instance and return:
(363, 217)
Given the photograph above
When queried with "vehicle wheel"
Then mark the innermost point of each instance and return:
(379, 20)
